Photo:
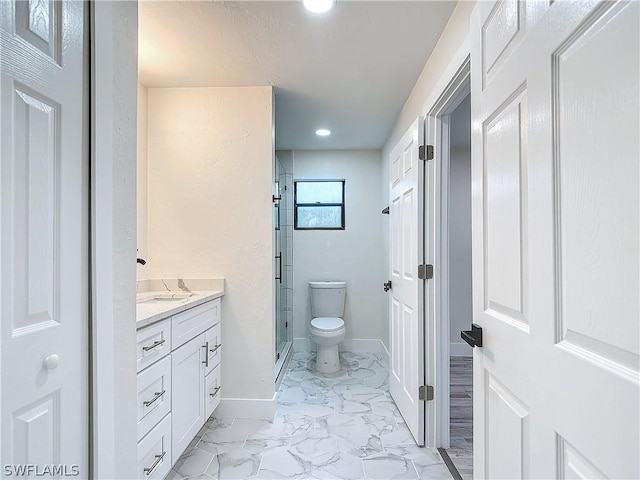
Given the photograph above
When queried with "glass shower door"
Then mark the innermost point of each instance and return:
(283, 226)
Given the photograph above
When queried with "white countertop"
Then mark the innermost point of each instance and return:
(160, 299)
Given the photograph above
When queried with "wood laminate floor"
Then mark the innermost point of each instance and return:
(461, 414)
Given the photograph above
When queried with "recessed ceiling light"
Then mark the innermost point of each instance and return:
(318, 6)
(323, 132)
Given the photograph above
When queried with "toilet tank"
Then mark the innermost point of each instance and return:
(327, 298)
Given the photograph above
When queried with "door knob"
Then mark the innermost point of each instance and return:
(474, 336)
(387, 285)
(51, 362)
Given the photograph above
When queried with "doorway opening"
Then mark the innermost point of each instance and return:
(448, 127)
(460, 312)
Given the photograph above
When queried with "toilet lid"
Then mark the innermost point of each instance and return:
(327, 323)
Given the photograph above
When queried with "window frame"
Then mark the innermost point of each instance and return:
(296, 204)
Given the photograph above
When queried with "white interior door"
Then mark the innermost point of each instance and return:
(44, 231)
(406, 336)
(555, 167)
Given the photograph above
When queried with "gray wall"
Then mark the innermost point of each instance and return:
(449, 52)
(460, 300)
(352, 254)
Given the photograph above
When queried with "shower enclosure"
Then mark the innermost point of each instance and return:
(283, 230)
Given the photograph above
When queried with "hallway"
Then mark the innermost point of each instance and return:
(461, 415)
(337, 426)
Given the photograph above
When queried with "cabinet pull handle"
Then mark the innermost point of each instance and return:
(148, 470)
(206, 354)
(215, 392)
(153, 345)
(279, 257)
(157, 396)
(215, 348)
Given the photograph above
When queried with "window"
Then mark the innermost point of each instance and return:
(319, 205)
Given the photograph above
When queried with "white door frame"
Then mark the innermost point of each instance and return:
(438, 131)
(452, 87)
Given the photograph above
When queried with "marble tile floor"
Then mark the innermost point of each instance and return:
(326, 426)
(461, 415)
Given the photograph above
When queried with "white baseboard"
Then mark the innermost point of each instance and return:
(254, 408)
(355, 345)
(460, 349)
(386, 356)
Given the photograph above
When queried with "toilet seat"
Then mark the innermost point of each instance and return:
(327, 324)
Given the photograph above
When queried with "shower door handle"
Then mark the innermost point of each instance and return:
(279, 257)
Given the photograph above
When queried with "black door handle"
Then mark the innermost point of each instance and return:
(474, 336)
(387, 286)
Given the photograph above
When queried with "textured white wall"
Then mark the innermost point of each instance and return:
(141, 179)
(453, 41)
(115, 62)
(352, 254)
(210, 175)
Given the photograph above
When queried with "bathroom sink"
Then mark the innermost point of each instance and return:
(163, 297)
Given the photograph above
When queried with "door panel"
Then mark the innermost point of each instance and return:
(43, 237)
(407, 292)
(555, 169)
(508, 432)
(589, 238)
(504, 134)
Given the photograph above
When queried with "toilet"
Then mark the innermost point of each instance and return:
(327, 328)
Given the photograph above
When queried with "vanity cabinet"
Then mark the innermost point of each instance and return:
(178, 362)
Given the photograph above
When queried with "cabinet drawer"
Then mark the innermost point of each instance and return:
(154, 395)
(152, 343)
(154, 451)
(188, 324)
(212, 391)
(214, 343)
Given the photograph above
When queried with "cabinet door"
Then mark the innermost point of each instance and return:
(187, 409)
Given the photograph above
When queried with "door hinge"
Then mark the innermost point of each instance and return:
(425, 393)
(425, 152)
(425, 272)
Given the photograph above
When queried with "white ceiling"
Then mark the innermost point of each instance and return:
(350, 70)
